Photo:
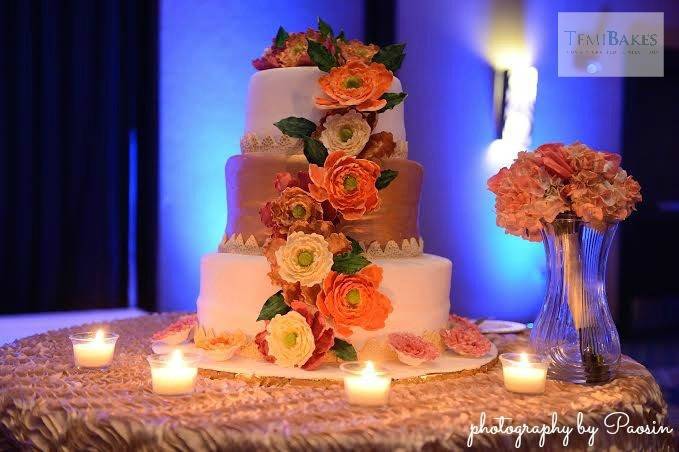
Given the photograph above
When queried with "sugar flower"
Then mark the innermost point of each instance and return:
(290, 340)
(293, 52)
(381, 145)
(356, 84)
(222, 347)
(348, 133)
(292, 205)
(356, 50)
(466, 341)
(347, 183)
(305, 258)
(178, 331)
(411, 349)
(354, 300)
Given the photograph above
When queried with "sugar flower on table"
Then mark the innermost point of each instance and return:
(299, 338)
(466, 341)
(222, 347)
(459, 321)
(348, 132)
(348, 183)
(356, 50)
(292, 205)
(178, 331)
(411, 349)
(305, 258)
(354, 300)
(356, 84)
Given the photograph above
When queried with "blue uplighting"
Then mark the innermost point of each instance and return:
(205, 53)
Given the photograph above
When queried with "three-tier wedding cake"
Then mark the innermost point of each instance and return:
(322, 259)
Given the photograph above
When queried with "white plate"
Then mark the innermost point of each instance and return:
(501, 326)
(448, 362)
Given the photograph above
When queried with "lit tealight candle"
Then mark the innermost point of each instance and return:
(174, 374)
(93, 349)
(365, 385)
(524, 373)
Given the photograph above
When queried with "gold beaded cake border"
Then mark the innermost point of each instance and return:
(325, 382)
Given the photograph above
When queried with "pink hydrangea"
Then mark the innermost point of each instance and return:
(556, 179)
(466, 341)
(412, 349)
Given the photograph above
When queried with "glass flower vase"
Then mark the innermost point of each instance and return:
(574, 328)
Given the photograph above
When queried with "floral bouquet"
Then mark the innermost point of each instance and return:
(558, 179)
(571, 197)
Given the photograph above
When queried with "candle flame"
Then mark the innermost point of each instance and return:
(176, 359)
(369, 369)
(523, 359)
(99, 336)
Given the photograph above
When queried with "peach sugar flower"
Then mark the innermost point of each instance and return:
(348, 183)
(356, 50)
(354, 301)
(292, 205)
(356, 84)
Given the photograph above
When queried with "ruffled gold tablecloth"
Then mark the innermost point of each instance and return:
(47, 404)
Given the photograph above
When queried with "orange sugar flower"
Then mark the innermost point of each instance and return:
(348, 183)
(353, 300)
(356, 84)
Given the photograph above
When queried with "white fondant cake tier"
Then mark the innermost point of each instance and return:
(233, 288)
(275, 94)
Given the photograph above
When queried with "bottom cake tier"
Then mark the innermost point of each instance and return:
(233, 288)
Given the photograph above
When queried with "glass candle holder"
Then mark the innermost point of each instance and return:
(93, 349)
(365, 384)
(524, 373)
(175, 373)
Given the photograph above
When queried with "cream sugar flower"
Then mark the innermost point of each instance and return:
(348, 133)
(290, 339)
(305, 258)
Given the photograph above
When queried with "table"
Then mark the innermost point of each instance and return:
(45, 403)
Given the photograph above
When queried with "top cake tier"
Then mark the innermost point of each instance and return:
(275, 94)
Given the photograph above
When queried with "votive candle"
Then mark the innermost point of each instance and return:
(93, 349)
(174, 374)
(524, 373)
(365, 385)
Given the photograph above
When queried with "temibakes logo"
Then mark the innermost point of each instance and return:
(611, 38)
(611, 44)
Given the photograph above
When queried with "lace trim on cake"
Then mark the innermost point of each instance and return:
(409, 248)
(279, 145)
(293, 146)
(235, 244)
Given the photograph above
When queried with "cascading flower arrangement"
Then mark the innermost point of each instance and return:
(328, 286)
(572, 197)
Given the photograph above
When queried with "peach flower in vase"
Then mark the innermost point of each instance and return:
(348, 183)
(411, 349)
(354, 300)
(356, 84)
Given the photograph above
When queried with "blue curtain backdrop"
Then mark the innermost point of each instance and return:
(68, 88)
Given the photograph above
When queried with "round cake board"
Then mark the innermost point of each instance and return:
(447, 363)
